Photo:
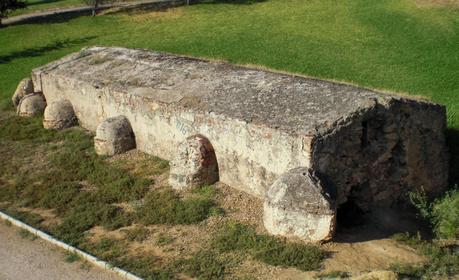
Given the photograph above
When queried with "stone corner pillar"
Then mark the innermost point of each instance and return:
(31, 105)
(114, 136)
(59, 115)
(195, 164)
(298, 204)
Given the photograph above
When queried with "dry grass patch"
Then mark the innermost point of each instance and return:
(454, 4)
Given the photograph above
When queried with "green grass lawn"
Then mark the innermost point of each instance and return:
(393, 45)
(42, 5)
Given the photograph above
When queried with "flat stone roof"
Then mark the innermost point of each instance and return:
(290, 103)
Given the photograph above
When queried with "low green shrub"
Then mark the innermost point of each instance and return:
(446, 215)
(84, 216)
(165, 207)
(441, 260)
(333, 275)
(71, 257)
(164, 239)
(205, 265)
(269, 249)
(108, 249)
(29, 218)
(26, 234)
(138, 233)
(442, 213)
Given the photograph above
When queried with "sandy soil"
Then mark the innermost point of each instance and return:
(24, 258)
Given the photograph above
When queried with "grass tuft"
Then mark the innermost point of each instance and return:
(71, 257)
(269, 249)
(165, 207)
(138, 233)
(441, 260)
(205, 265)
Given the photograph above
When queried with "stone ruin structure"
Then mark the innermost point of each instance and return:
(305, 146)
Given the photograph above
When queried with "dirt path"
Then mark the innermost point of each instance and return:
(24, 258)
(82, 9)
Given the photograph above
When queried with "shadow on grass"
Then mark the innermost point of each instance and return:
(38, 51)
(42, 2)
(143, 8)
(237, 2)
(53, 18)
(452, 140)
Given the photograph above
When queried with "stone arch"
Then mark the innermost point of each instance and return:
(114, 136)
(195, 164)
(59, 115)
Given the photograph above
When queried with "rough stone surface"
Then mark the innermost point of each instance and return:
(24, 88)
(59, 115)
(114, 136)
(194, 165)
(300, 204)
(374, 147)
(31, 105)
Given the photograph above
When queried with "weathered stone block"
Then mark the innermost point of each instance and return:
(24, 88)
(194, 165)
(299, 204)
(59, 115)
(114, 136)
(374, 147)
(31, 105)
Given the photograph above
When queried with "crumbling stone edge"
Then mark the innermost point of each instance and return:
(95, 261)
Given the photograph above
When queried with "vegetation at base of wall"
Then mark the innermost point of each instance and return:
(269, 249)
(164, 207)
(88, 187)
(442, 213)
(442, 259)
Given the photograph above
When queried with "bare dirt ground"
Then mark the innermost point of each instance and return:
(24, 258)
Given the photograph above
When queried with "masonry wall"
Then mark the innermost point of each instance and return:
(379, 154)
(250, 157)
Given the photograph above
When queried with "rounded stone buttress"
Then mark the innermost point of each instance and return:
(298, 204)
(59, 115)
(31, 105)
(114, 136)
(194, 165)
(24, 88)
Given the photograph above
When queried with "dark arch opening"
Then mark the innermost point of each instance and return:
(349, 215)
